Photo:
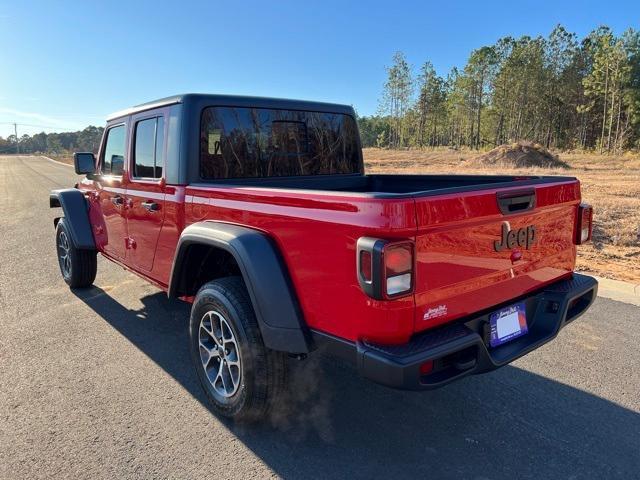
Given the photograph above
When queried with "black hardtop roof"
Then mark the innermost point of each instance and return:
(236, 101)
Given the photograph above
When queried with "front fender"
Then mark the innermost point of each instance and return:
(76, 213)
(265, 275)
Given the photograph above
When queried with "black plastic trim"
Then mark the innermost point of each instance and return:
(375, 247)
(460, 349)
(516, 201)
(76, 212)
(265, 274)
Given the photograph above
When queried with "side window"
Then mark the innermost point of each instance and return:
(113, 159)
(159, 147)
(148, 151)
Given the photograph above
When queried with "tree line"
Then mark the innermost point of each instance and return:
(558, 91)
(87, 140)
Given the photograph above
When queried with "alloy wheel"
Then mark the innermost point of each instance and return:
(219, 354)
(64, 256)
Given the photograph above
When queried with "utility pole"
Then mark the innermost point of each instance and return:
(15, 129)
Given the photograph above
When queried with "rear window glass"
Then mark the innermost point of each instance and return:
(149, 142)
(258, 142)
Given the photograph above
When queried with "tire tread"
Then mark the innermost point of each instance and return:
(270, 372)
(84, 263)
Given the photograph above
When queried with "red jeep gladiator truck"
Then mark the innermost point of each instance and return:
(258, 212)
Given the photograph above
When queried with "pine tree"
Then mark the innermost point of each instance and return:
(396, 98)
(555, 91)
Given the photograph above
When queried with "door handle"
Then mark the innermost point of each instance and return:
(117, 200)
(516, 201)
(150, 206)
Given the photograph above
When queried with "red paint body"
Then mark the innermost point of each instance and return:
(457, 270)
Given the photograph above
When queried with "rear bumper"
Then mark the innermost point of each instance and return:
(461, 349)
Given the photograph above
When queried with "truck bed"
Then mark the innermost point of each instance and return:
(394, 186)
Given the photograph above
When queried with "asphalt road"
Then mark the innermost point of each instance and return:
(99, 384)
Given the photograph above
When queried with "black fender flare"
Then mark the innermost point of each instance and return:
(76, 212)
(265, 275)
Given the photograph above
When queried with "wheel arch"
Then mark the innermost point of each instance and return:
(259, 263)
(76, 213)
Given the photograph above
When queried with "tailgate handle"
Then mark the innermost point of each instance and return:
(516, 202)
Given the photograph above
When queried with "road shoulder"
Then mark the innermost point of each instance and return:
(617, 290)
(56, 161)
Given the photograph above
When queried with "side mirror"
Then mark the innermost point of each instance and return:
(117, 164)
(84, 162)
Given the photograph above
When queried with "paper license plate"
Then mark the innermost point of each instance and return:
(508, 324)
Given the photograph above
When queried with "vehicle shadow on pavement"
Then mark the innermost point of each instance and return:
(511, 423)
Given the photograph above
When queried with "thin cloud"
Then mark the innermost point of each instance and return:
(39, 117)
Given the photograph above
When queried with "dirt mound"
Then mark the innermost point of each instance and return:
(519, 155)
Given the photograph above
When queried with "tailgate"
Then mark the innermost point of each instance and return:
(476, 250)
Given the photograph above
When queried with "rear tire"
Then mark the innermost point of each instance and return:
(241, 377)
(78, 267)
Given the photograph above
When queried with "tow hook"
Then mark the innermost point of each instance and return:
(464, 359)
(464, 364)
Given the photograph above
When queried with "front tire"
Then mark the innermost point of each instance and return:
(78, 267)
(241, 377)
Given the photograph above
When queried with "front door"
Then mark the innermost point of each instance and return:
(145, 190)
(111, 233)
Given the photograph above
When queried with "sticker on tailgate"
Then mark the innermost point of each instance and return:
(435, 312)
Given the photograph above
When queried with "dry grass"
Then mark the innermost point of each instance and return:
(64, 157)
(610, 183)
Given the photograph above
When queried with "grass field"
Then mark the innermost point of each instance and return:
(610, 183)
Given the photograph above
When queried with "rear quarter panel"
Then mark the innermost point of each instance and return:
(317, 234)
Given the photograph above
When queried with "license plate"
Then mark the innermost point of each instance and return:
(507, 324)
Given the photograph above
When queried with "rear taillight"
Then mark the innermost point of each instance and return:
(585, 224)
(365, 266)
(398, 268)
(385, 269)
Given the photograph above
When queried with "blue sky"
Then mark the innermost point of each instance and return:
(65, 65)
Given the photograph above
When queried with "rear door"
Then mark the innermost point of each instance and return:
(146, 187)
(476, 250)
